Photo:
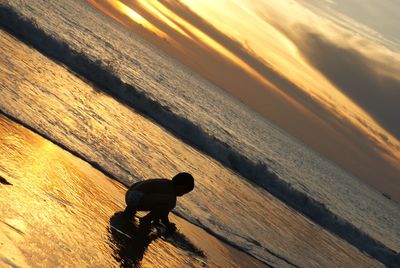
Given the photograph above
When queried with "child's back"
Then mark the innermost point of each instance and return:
(157, 196)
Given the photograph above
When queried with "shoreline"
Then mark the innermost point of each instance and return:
(255, 172)
(54, 219)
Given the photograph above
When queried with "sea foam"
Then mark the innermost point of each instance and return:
(215, 139)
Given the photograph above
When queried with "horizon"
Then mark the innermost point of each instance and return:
(332, 85)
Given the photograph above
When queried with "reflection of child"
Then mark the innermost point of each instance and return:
(157, 196)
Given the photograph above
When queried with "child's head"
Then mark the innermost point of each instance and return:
(183, 183)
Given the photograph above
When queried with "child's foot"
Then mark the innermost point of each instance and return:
(145, 223)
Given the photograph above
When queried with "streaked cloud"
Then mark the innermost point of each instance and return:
(346, 66)
(125, 15)
(313, 54)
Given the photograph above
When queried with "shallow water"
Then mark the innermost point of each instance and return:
(55, 212)
(129, 146)
(323, 190)
(58, 211)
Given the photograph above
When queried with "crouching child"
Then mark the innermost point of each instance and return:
(157, 196)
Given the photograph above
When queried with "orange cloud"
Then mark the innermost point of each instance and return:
(271, 41)
(115, 9)
(275, 35)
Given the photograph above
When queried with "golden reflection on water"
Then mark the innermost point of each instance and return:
(58, 208)
(61, 203)
(58, 211)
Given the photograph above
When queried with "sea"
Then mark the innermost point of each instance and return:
(83, 81)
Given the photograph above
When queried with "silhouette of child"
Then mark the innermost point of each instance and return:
(157, 196)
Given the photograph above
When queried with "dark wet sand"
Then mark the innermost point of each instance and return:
(57, 211)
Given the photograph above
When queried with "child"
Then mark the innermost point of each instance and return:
(157, 196)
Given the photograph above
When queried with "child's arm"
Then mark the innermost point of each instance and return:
(170, 226)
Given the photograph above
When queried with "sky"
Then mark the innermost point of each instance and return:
(326, 71)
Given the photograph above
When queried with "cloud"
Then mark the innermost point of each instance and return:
(294, 60)
(356, 76)
(324, 73)
(349, 69)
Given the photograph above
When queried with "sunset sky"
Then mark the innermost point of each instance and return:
(325, 71)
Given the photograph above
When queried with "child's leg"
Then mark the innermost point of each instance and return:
(132, 199)
(130, 212)
(159, 206)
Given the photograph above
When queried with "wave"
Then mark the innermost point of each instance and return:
(96, 72)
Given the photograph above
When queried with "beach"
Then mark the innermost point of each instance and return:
(86, 111)
(56, 212)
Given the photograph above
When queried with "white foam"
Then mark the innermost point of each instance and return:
(198, 112)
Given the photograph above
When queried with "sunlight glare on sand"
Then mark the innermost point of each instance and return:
(58, 210)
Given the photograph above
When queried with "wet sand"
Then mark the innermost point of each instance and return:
(56, 211)
(65, 109)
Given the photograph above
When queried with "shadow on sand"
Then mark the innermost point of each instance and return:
(4, 181)
(130, 241)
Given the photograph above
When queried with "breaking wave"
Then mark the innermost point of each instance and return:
(105, 79)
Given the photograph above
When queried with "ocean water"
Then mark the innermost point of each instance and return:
(129, 146)
(109, 133)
